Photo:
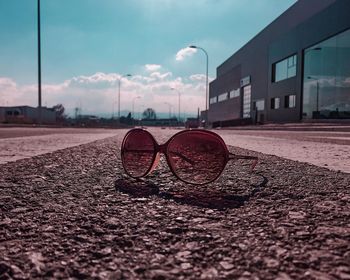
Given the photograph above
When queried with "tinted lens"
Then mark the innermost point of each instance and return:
(138, 153)
(197, 157)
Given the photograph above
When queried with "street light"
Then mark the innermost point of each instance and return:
(179, 99)
(39, 65)
(317, 93)
(133, 106)
(169, 109)
(169, 112)
(119, 81)
(206, 83)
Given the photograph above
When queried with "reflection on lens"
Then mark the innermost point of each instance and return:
(138, 153)
(197, 157)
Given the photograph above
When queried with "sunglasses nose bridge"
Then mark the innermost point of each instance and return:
(162, 148)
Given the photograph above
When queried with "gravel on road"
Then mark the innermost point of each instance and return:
(73, 214)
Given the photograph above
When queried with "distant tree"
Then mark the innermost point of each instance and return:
(126, 120)
(149, 114)
(59, 110)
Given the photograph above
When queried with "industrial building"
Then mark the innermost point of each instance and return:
(26, 115)
(295, 69)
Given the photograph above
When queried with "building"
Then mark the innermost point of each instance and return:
(296, 69)
(26, 114)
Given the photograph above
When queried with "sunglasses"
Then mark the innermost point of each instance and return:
(194, 156)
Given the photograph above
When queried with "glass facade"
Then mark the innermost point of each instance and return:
(326, 80)
(285, 69)
(246, 101)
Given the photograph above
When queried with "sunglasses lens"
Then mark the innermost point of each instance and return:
(197, 157)
(138, 153)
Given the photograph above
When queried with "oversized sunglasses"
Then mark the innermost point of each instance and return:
(194, 156)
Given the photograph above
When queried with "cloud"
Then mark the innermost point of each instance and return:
(153, 67)
(98, 93)
(161, 76)
(6, 83)
(181, 54)
(198, 77)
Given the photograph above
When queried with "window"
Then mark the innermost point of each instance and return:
(284, 69)
(260, 105)
(326, 87)
(213, 100)
(246, 101)
(9, 113)
(234, 93)
(275, 103)
(290, 101)
(222, 97)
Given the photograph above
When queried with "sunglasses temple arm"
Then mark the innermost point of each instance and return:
(255, 159)
(183, 157)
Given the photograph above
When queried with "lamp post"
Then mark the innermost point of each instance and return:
(206, 82)
(169, 109)
(317, 93)
(179, 100)
(169, 112)
(39, 66)
(133, 108)
(119, 81)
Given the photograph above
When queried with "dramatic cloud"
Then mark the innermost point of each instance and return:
(152, 67)
(98, 93)
(181, 54)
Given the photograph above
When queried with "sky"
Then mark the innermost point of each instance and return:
(88, 45)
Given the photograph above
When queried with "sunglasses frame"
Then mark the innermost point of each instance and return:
(163, 149)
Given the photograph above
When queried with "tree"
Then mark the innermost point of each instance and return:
(149, 114)
(59, 110)
(126, 120)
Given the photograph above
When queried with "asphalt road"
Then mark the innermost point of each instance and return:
(73, 214)
(330, 149)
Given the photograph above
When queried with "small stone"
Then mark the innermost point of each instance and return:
(283, 276)
(210, 273)
(296, 215)
(183, 254)
(199, 220)
(226, 265)
(271, 263)
(191, 245)
(19, 210)
(180, 219)
(106, 251)
(186, 265)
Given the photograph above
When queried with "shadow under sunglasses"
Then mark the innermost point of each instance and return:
(212, 199)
